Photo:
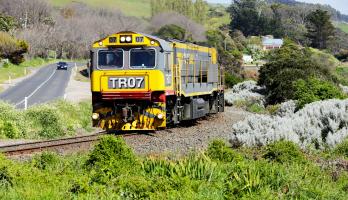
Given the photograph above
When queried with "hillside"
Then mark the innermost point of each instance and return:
(343, 26)
(137, 8)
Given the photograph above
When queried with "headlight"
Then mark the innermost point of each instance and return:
(123, 39)
(100, 43)
(95, 116)
(160, 116)
(128, 38)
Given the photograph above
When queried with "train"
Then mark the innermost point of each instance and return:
(142, 82)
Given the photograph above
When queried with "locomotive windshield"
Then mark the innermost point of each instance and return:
(142, 58)
(110, 58)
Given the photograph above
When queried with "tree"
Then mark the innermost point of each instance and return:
(6, 23)
(247, 17)
(194, 31)
(11, 48)
(287, 65)
(171, 31)
(320, 28)
(230, 56)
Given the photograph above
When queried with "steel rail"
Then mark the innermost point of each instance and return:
(37, 146)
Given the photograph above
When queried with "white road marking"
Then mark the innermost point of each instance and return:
(40, 86)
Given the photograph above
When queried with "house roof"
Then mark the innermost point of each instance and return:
(272, 42)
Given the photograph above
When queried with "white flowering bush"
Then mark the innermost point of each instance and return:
(247, 91)
(319, 124)
(286, 108)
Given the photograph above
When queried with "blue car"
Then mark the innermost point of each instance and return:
(62, 65)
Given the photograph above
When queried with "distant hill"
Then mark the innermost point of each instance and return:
(137, 8)
(336, 15)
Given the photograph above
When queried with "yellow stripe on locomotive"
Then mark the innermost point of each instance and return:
(141, 82)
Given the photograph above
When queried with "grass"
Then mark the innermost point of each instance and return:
(343, 26)
(16, 71)
(136, 8)
(51, 120)
(113, 171)
(342, 74)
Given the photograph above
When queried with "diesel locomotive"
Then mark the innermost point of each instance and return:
(142, 82)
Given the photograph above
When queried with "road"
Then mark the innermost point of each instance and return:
(46, 85)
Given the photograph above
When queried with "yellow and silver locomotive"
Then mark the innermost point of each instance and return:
(141, 82)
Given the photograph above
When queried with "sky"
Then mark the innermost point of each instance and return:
(341, 5)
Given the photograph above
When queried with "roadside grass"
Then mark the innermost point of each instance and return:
(51, 120)
(16, 71)
(113, 171)
(136, 8)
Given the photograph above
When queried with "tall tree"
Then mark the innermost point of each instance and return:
(320, 28)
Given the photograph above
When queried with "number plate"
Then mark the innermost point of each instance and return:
(123, 82)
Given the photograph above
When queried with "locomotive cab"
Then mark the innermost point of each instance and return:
(137, 82)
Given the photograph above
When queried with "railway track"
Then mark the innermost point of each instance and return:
(60, 145)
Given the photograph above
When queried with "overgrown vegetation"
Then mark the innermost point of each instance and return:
(50, 120)
(112, 171)
(315, 90)
(292, 63)
(12, 48)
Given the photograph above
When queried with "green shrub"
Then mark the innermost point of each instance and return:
(272, 109)
(255, 180)
(231, 79)
(45, 160)
(46, 121)
(195, 167)
(172, 31)
(135, 187)
(9, 129)
(12, 49)
(218, 150)
(283, 152)
(315, 90)
(256, 108)
(12, 122)
(111, 157)
(6, 179)
(342, 149)
(287, 65)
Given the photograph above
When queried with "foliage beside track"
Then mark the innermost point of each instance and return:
(50, 120)
(113, 171)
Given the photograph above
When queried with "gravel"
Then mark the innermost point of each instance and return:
(186, 138)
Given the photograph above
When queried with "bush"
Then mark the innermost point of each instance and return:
(45, 160)
(195, 167)
(12, 122)
(231, 79)
(111, 157)
(315, 90)
(6, 179)
(283, 152)
(342, 149)
(47, 121)
(51, 120)
(171, 31)
(287, 65)
(12, 48)
(218, 150)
